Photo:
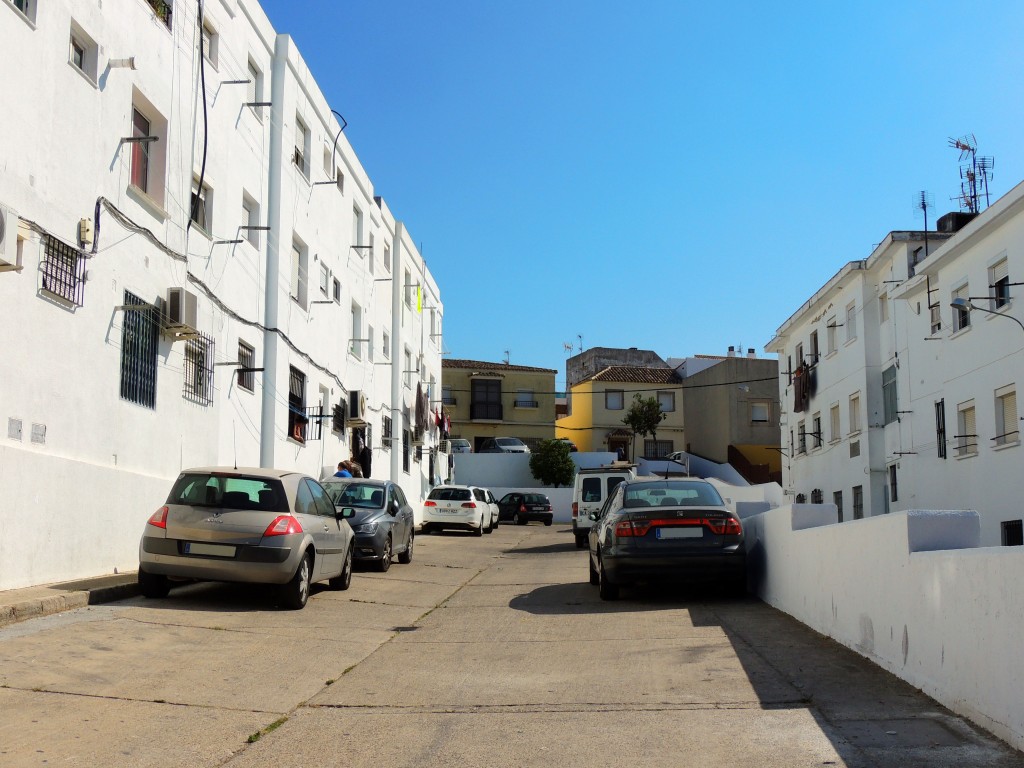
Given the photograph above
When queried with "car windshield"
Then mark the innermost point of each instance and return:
(671, 493)
(451, 494)
(535, 498)
(365, 495)
(208, 489)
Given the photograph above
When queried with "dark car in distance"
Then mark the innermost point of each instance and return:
(653, 530)
(381, 518)
(520, 508)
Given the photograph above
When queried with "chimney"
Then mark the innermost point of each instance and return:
(751, 355)
(732, 351)
(955, 221)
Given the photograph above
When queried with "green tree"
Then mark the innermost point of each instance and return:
(551, 464)
(644, 416)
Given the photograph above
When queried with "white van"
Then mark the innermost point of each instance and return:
(593, 485)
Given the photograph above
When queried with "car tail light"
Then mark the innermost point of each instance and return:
(429, 503)
(727, 526)
(522, 508)
(469, 505)
(575, 509)
(159, 518)
(283, 525)
(629, 528)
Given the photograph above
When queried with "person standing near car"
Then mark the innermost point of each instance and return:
(343, 470)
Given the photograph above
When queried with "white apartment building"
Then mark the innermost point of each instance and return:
(188, 276)
(891, 398)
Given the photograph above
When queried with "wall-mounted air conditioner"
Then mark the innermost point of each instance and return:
(356, 407)
(8, 239)
(181, 313)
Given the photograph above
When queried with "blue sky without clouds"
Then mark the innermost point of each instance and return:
(667, 175)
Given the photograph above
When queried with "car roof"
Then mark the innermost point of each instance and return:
(247, 471)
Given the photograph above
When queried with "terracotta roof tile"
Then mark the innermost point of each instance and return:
(636, 374)
(481, 365)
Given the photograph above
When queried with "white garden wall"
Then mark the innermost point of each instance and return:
(911, 591)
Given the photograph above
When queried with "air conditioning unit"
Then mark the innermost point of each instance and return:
(356, 407)
(181, 313)
(8, 239)
(418, 436)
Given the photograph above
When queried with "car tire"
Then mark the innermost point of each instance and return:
(153, 585)
(548, 521)
(344, 580)
(595, 577)
(480, 529)
(581, 541)
(296, 592)
(606, 589)
(517, 519)
(406, 557)
(385, 557)
(490, 526)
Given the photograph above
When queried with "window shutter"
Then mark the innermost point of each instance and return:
(1000, 271)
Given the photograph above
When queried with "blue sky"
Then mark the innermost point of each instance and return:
(667, 175)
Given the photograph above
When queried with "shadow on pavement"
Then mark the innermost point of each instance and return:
(221, 597)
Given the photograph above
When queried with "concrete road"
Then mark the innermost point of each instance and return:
(490, 651)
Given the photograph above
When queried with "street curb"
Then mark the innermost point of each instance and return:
(13, 613)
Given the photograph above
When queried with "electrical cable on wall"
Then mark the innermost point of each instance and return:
(206, 122)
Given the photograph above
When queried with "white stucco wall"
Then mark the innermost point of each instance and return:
(948, 621)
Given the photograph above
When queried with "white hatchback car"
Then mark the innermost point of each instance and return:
(457, 507)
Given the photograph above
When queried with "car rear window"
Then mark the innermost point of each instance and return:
(591, 490)
(451, 494)
(202, 489)
(535, 498)
(671, 494)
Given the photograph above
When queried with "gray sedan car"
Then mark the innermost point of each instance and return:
(380, 517)
(247, 525)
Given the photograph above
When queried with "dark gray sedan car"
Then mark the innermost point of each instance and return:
(652, 530)
(380, 516)
(250, 525)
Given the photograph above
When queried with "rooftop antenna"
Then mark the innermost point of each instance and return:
(975, 173)
(567, 347)
(921, 203)
(506, 357)
(580, 337)
(985, 167)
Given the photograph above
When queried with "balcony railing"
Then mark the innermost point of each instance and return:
(449, 400)
(491, 411)
(526, 404)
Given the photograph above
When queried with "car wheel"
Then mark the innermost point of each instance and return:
(296, 591)
(406, 557)
(385, 557)
(581, 541)
(595, 577)
(490, 526)
(344, 580)
(497, 522)
(606, 589)
(517, 519)
(153, 585)
(548, 521)
(480, 530)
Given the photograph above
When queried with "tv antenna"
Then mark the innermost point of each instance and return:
(921, 203)
(975, 174)
(506, 357)
(567, 347)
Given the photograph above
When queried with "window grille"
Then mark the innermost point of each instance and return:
(246, 359)
(893, 493)
(63, 270)
(338, 417)
(940, 428)
(858, 502)
(199, 369)
(654, 449)
(387, 432)
(140, 337)
(315, 418)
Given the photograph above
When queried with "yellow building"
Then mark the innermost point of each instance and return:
(598, 403)
(498, 400)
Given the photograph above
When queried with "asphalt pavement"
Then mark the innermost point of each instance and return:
(492, 651)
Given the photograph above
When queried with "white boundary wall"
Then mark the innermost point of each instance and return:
(911, 591)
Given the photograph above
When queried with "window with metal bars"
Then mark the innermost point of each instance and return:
(338, 417)
(940, 428)
(246, 360)
(387, 432)
(858, 502)
(199, 370)
(654, 449)
(297, 419)
(315, 418)
(140, 338)
(893, 492)
(63, 270)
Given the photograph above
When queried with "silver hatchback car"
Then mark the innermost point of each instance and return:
(247, 525)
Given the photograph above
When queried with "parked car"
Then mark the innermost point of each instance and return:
(520, 508)
(382, 519)
(249, 525)
(492, 504)
(570, 443)
(456, 507)
(591, 489)
(656, 530)
(459, 445)
(503, 445)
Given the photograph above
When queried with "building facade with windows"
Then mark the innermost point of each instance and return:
(918, 409)
(202, 276)
(599, 402)
(486, 399)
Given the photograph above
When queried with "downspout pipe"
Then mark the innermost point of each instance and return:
(397, 359)
(268, 412)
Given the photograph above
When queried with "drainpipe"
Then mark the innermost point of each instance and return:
(272, 273)
(397, 358)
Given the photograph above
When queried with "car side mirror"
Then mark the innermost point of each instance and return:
(346, 513)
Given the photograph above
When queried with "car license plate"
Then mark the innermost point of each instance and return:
(449, 511)
(687, 532)
(216, 550)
